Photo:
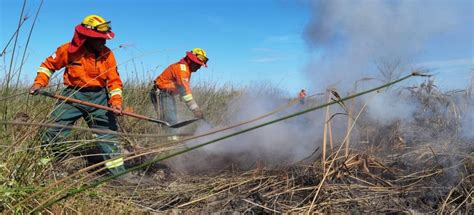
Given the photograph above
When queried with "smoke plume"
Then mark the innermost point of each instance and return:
(282, 143)
(349, 37)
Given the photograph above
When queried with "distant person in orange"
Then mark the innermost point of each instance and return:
(175, 80)
(302, 96)
(90, 75)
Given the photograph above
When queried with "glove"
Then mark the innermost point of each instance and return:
(117, 109)
(193, 106)
(34, 89)
(198, 113)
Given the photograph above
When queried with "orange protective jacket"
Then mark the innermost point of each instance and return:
(302, 94)
(175, 79)
(84, 70)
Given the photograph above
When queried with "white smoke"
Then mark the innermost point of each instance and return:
(468, 117)
(282, 143)
(353, 40)
(348, 37)
(387, 107)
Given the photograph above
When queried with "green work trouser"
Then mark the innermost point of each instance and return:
(68, 113)
(165, 106)
(169, 111)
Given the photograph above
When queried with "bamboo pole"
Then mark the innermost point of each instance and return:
(348, 131)
(330, 136)
(325, 130)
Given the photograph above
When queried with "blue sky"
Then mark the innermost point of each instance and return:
(248, 42)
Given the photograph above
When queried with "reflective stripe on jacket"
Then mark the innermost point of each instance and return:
(84, 69)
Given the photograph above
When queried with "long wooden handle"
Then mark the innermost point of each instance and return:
(71, 100)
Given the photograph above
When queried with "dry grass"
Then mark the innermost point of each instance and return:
(392, 171)
(359, 184)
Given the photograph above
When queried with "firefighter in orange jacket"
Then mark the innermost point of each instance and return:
(174, 80)
(302, 96)
(90, 75)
